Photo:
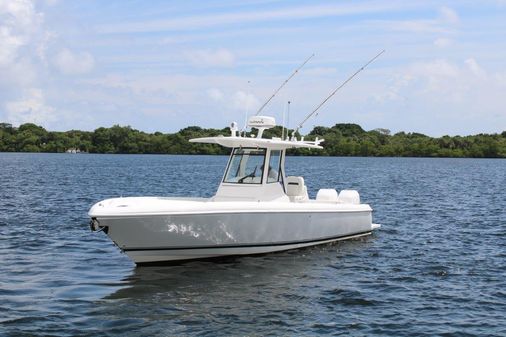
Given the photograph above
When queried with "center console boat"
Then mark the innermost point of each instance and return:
(256, 209)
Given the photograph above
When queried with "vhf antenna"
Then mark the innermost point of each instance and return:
(334, 92)
(287, 111)
(282, 85)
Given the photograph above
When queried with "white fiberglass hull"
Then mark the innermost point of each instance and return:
(196, 229)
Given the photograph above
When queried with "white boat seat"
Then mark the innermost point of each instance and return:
(296, 190)
(327, 195)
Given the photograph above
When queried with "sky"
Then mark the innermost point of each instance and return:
(165, 65)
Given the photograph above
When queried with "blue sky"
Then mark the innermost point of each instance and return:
(164, 65)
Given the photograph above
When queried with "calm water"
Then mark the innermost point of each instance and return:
(436, 267)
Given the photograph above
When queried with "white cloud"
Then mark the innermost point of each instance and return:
(31, 108)
(443, 23)
(211, 58)
(321, 71)
(242, 101)
(19, 13)
(149, 74)
(216, 94)
(23, 41)
(440, 68)
(18, 24)
(436, 76)
(415, 26)
(239, 101)
(392, 92)
(71, 63)
(442, 96)
(9, 45)
(290, 13)
(449, 15)
(439, 78)
(42, 45)
(447, 82)
(475, 67)
(51, 2)
(442, 42)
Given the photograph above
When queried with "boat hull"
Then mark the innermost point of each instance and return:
(153, 255)
(169, 237)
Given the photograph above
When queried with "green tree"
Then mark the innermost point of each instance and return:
(340, 140)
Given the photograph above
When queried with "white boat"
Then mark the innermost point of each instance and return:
(256, 209)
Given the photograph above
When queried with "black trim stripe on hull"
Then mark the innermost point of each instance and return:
(272, 244)
(207, 213)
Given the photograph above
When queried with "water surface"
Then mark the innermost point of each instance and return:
(436, 267)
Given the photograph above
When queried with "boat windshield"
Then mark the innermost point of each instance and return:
(246, 166)
(274, 167)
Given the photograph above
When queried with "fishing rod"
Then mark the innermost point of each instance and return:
(334, 92)
(282, 85)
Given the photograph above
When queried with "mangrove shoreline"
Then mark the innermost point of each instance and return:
(340, 140)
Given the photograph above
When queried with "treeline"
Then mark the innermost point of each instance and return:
(340, 140)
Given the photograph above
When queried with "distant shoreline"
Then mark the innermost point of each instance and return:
(227, 155)
(341, 140)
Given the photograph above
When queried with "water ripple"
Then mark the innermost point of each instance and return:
(436, 267)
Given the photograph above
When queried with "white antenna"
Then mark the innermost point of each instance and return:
(333, 92)
(282, 85)
(288, 119)
(283, 124)
(246, 112)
